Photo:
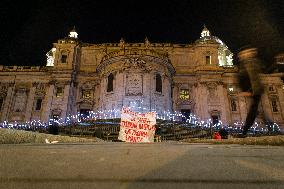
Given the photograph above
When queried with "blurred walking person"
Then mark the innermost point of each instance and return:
(250, 69)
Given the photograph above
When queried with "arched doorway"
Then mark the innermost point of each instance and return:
(215, 116)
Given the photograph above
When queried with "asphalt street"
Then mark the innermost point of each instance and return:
(125, 165)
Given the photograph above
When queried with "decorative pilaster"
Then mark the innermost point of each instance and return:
(30, 102)
(47, 108)
(280, 94)
(225, 108)
(7, 104)
(65, 105)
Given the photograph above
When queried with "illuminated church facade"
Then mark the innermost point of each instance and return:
(197, 78)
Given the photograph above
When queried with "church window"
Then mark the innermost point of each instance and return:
(270, 88)
(63, 58)
(233, 105)
(59, 91)
(1, 102)
(215, 119)
(38, 104)
(86, 93)
(274, 105)
(110, 79)
(159, 84)
(208, 59)
(184, 94)
(231, 89)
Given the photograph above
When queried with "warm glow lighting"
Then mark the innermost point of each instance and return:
(229, 59)
(50, 57)
(184, 94)
(221, 60)
(205, 32)
(73, 34)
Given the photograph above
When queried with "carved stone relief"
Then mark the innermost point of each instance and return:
(134, 84)
(40, 89)
(213, 97)
(20, 100)
(3, 90)
(136, 64)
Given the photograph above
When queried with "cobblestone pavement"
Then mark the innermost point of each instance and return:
(124, 165)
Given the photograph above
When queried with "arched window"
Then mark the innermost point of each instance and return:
(38, 104)
(274, 105)
(233, 105)
(1, 102)
(215, 115)
(184, 94)
(64, 57)
(208, 59)
(110, 82)
(59, 92)
(159, 84)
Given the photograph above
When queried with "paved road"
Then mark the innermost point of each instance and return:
(159, 165)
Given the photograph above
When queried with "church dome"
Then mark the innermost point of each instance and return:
(225, 56)
(206, 38)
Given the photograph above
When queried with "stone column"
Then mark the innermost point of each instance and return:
(97, 97)
(265, 102)
(30, 102)
(65, 105)
(7, 104)
(167, 96)
(175, 96)
(119, 90)
(151, 92)
(102, 95)
(147, 91)
(225, 109)
(47, 108)
(280, 93)
(171, 96)
(202, 102)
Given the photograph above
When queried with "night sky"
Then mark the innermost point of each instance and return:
(28, 28)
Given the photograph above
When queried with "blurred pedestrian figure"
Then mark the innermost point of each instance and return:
(223, 133)
(250, 69)
(53, 129)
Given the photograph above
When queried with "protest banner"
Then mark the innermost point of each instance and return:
(137, 127)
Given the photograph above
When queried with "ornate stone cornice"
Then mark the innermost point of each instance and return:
(147, 55)
(136, 63)
(52, 82)
(89, 85)
(184, 102)
(59, 83)
(211, 84)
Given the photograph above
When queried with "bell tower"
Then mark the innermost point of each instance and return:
(63, 55)
(63, 60)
